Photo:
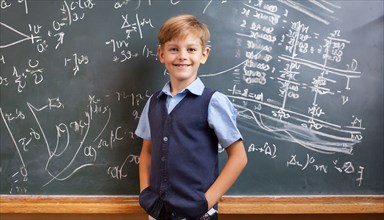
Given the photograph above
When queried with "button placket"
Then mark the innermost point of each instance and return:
(164, 158)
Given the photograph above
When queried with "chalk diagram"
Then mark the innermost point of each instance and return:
(24, 37)
(325, 74)
(276, 117)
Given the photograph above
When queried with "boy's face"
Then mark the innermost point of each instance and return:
(182, 57)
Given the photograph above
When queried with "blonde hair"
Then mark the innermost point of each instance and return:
(180, 26)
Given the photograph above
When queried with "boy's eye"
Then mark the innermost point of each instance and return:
(191, 49)
(173, 49)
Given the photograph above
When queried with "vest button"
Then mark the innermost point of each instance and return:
(163, 159)
(165, 139)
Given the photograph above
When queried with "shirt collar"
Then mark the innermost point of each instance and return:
(196, 87)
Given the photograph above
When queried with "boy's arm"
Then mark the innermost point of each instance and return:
(145, 164)
(237, 159)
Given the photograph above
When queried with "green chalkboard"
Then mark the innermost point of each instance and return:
(305, 76)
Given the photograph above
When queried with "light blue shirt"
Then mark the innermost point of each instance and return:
(221, 113)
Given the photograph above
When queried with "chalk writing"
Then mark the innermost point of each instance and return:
(310, 161)
(116, 172)
(76, 74)
(296, 41)
(266, 149)
(21, 78)
(135, 26)
(77, 60)
(8, 3)
(26, 37)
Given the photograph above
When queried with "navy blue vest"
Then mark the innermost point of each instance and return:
(184, 156)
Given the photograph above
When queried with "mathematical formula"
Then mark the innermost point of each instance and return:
(73, 94)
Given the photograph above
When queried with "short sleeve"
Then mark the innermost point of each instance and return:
(143, 129)
(222, 119)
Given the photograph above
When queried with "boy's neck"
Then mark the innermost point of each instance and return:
(178, 86)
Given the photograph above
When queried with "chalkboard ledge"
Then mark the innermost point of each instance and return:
(343, 204)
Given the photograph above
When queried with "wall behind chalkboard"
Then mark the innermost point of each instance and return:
(306, 78)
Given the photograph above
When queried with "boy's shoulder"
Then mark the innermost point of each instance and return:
(216, 94)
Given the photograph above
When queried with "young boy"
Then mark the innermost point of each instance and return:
(181, 127)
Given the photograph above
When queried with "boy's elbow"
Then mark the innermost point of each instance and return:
(244, 160)
(238, 153)
(244, 157)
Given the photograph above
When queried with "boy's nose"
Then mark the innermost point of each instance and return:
(183, 55)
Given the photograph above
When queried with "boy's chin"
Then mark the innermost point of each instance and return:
(184, 77)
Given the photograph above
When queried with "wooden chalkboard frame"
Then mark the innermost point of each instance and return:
(335, 204)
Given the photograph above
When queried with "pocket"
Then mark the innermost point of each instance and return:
(203, 199)
(204, 203)
(150, 202)
(193, 208)
(201, 206)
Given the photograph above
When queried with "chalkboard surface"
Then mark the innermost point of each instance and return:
(305, 76)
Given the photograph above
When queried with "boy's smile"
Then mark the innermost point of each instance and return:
(182, 58)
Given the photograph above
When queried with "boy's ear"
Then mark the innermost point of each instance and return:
(204, 58)
(160, 54)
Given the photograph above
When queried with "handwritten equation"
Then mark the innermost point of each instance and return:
(289, 73)
(315, 79)
(82, 142)
(75, 75)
